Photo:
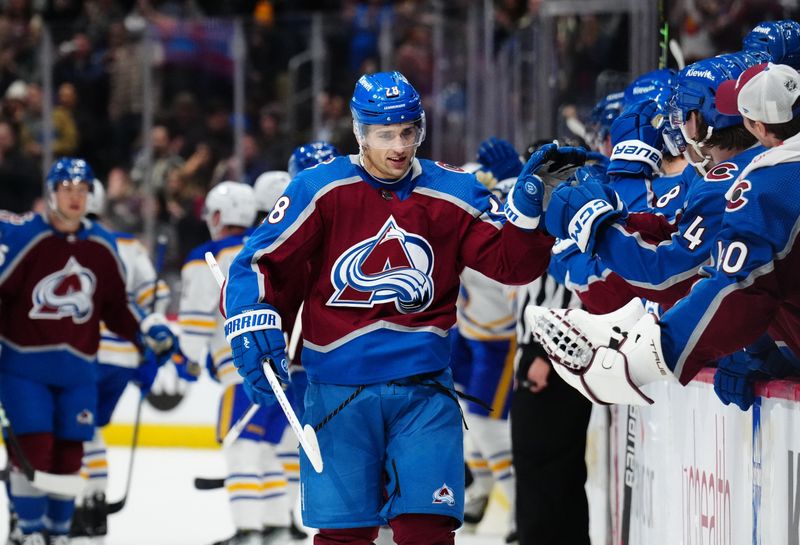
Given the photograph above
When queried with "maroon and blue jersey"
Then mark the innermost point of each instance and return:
(663, 271)
(383, 262)
(55, 288)
(752, 286)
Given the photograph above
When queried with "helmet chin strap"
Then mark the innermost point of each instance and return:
(696, 146)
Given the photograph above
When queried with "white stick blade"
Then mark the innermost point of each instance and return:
(312, 452)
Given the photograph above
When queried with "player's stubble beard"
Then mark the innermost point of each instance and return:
(376, 163)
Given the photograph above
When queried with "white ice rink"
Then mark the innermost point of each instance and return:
(164, 508)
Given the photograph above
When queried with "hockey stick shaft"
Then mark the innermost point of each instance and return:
(161, 252)
(65, 485)
(305, 435)
(208, 483)
(629, 475)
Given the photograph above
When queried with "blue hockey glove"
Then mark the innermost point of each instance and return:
(555, 164)
(145, 374)
(636, 141)
(596, 158)
(576, 212)
(734, 380)
(255, 336)
(257, 397)
(182, 367)
(500, 158)
(526, 202)
(589, 173)
(158, 337)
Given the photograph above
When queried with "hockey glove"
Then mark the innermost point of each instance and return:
(158, 337)
(555, 164)
(589, 173)
(734, 380)
(500, 158)
(636, 141)
(257, 397)
(255, 336)
(182, 367)
(145, 374)
(595, 158)
(578, 212)
(526, 201)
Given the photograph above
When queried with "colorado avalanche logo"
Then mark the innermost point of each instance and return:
(393, 266)
(444, 494)
(65, 293)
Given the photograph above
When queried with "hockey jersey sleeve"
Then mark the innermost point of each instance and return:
(141, 277)
(198, 312)
(662, 272)
(755, 264)
(119, 313)
(277, 249)
(500, 250)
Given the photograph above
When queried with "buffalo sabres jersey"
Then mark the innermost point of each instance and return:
(384, 262)
(485, 308)
(54, 290)
(140, 278)
(201, 325)
(664, 271)
(752, 284)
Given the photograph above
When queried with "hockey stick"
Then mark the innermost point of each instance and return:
(65, 485)
(115, 507)
(208, 483)
(305, 435)
(677, 52)
(631, 417)
(241, 424)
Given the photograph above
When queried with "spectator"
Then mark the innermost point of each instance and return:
(272, 141)
(20, 185)
(125, 204)
(164, 160)
(65, 130)
(337, 127)
(15, 103)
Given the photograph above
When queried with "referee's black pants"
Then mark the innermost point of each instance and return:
(548, 437)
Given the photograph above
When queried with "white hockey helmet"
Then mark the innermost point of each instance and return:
(235, 202)
(96, 203)
(268, 187)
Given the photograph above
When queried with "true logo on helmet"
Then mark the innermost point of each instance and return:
(444, 494)
(394, 266)
(66, 293)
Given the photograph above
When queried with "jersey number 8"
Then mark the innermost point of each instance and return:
(279, 210)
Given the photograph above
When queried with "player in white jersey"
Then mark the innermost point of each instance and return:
(119, 361)
(255, 482)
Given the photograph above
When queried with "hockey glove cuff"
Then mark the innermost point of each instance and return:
(578, 212)
(256, 336)
(636, 141)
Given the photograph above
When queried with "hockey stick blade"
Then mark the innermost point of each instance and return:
(208, 483)
(115, 507)
(65, 485)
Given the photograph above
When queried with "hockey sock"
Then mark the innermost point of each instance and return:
(416, 529)
(276, 507)
(95, 466)
(350, 536)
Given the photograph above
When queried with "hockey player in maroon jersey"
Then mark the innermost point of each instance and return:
(59, 276)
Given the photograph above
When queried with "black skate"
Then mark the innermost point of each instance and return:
(243, 537)
(90, 519)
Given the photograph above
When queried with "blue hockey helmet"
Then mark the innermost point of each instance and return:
(387, 98)
(309, 155)
(70, 169)
(779, 39)
(602, 116)
(649, 85)
(697, 84)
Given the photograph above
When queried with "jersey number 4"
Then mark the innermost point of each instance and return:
(694, 234)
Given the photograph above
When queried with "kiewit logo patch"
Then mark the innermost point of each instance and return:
(394, 266)
(85, 417)
(444, 494)
(65, 294)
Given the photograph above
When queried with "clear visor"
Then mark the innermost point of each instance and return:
(395, 136)
(74, 186)
(676, 117)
